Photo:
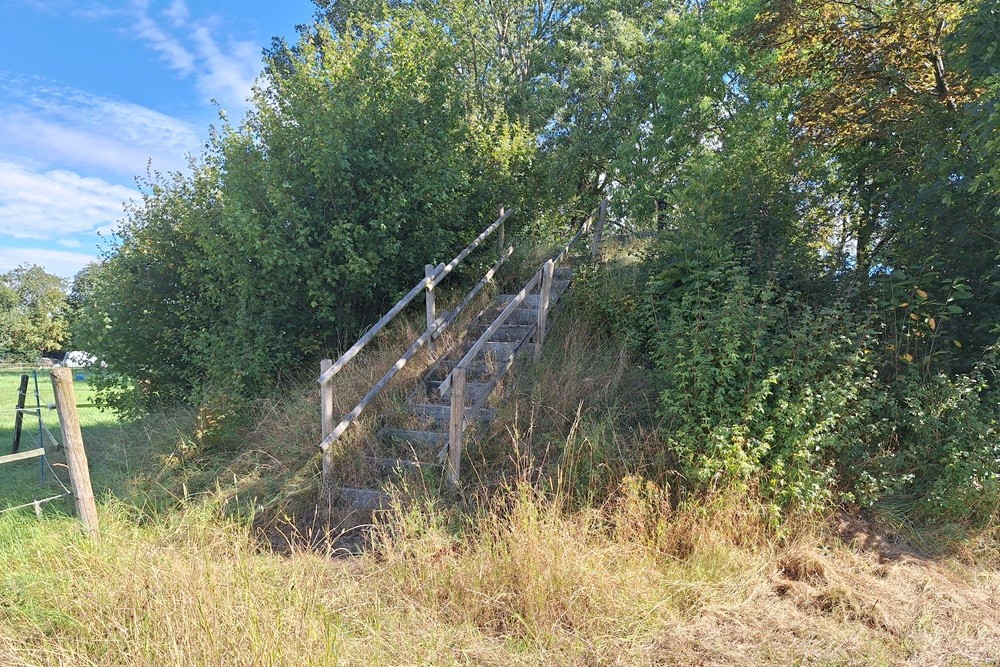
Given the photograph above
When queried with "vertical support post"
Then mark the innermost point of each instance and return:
(544, 294)
(501, 243)
(326, 415)
(431, 309)
(76, 455)
(595, 243)
(41, 426)
(22, 394)
(455, 426)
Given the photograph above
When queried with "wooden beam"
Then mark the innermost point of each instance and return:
(326, 413)
(76, 455)
(501, 243)
(20, 456)
(429, 270)
(548, 270)
(456, 426)
(595, 244)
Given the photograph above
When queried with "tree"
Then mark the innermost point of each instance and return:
(33, 312)
(360, 162)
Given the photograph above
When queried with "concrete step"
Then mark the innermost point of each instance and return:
(523, 316)
(473, 390)
(361, 499)
(511, 333)
(440, 413)
(497, 350)
(530, 302)
(386, 466)
(412, 437)
(475, 373)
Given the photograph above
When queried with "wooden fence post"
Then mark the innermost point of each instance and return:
(76, 455)
(455, 426)
(326, 415)
(431, 309)
(22, 394)
(501, 246)
(544, 293)
(595, 244)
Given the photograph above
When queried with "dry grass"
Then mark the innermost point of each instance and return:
(569, 556)
(522, 582)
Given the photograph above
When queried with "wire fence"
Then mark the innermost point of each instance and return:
(40, 440)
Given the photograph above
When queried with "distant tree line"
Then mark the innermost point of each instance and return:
(34, 313)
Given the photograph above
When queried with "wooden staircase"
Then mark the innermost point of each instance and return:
(453, 393)
(422, 443)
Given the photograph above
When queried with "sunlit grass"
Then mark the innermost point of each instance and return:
(22, 481)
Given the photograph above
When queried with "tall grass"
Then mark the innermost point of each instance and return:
(522, 582)
(573, 551)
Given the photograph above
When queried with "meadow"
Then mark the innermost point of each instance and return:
(21, 481)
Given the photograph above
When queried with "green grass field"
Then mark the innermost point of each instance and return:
(20, 481)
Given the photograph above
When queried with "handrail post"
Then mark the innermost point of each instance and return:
(544, 293)
(326, 415)
(595, 244)
(429, 271)
(456, 426)
(501, 246)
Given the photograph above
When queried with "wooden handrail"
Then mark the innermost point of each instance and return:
(495, 380)
(433, 279)
(433, 275)
(472, 246)
(490, 330)
(455, 381)
(349, 419)
(375, 328)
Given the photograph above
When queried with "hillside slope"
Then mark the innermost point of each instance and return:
(559, 554)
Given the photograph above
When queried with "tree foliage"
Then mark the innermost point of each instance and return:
(33, 312)
(821, 308)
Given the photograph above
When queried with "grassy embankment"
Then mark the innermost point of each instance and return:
(529, 569)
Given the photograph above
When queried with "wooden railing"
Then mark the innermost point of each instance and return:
(436, 324)
(460, 416)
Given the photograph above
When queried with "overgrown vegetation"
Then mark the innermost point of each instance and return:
(747, 435)
(817, 320)
(533, 571)
(531, 585)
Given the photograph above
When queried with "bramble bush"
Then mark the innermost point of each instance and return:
(759, 388)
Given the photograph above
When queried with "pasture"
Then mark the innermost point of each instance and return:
(20, 481)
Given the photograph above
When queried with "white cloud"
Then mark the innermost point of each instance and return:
(42, 205)
(178, 13)
(63, 126)
(177, 57)
(62, 263)
(224, 68)
(89, 10)
(226, 76)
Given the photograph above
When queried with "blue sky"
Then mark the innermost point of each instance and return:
(91, 91)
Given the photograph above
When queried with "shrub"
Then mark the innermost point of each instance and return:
(758, 387)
